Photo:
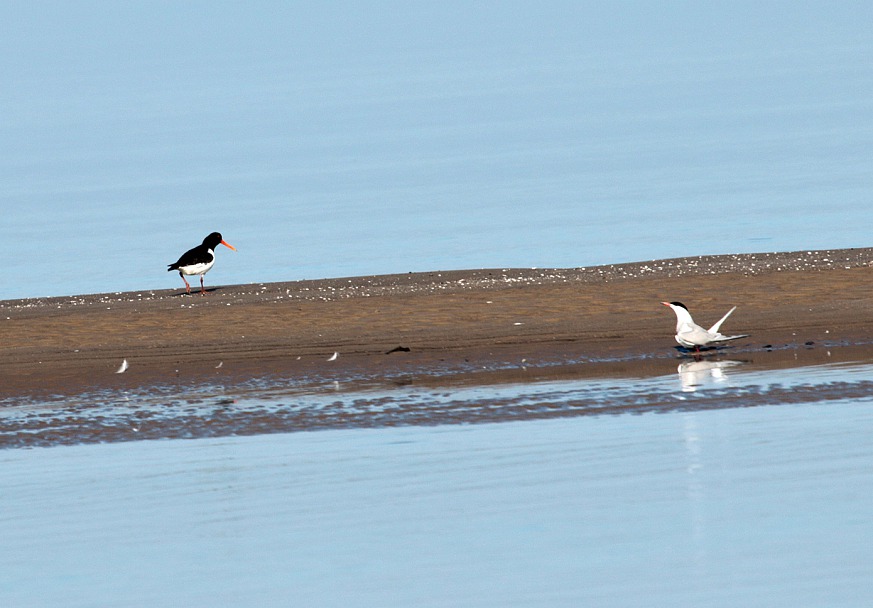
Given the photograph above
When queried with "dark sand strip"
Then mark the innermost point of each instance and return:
(607, 319)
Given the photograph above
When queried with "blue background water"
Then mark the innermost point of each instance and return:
(764, 506)
(331, 139)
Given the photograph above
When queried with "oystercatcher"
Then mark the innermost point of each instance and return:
(691, 335)
(199, 260)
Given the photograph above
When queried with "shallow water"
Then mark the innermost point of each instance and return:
(762, 506)
(716, 483)
(277, 404)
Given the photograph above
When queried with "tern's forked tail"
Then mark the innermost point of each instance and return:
(714, 329)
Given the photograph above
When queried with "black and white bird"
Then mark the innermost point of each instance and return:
(199, 260)
(691, 335)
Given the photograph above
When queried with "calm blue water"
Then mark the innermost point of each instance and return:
(765, 506)
(715, 483)
(333, 139)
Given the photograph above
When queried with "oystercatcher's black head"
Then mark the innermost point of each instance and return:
(214, 240)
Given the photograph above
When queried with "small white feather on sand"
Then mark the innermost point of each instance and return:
(333, 357)
(122, 368)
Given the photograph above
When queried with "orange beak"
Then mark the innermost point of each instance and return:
(228, 245)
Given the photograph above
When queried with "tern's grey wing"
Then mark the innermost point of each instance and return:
(694, 335)
(721, 338)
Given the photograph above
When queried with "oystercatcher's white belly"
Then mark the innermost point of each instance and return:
(201, 268)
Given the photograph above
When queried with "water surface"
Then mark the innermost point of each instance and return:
(759, 506)
(719, 482)
(330, 140)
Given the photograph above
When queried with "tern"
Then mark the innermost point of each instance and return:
(691, 335)
(199, 260)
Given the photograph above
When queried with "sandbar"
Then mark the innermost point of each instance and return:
(598, 320)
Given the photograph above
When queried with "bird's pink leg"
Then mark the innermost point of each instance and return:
(187, 287)
(202, 288)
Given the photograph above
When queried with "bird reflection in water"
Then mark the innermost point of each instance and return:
(697, 374)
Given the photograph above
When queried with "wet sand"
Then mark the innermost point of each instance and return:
(604, 320)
